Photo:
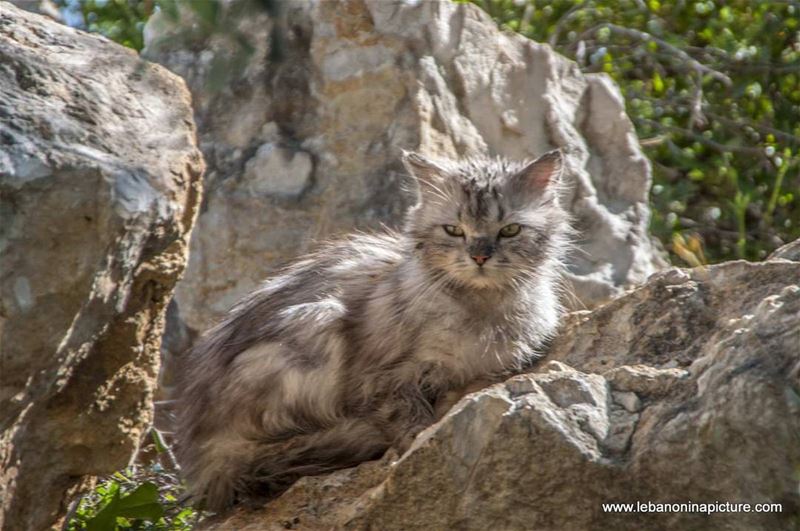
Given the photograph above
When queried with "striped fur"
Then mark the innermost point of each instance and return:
(347, 351)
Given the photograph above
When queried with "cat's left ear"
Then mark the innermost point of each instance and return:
(428, 174)
(542, 173)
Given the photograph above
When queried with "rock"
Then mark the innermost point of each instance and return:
(643, 380)
(315, 502)
(100, 181)
(43, 7)
(685, 390)
(303, 140)
(628, 400)
(789, 251)
(277, 171)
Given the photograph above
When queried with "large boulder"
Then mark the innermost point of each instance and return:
(686, 390)
(303, 111)
(100, 183)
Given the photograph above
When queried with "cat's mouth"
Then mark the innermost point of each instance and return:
(484, 277)
(478, 276)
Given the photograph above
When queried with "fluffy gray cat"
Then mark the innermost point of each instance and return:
(352, 349)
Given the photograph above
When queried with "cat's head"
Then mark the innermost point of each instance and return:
(488, 223)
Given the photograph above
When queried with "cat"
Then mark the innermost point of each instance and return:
(348, 351)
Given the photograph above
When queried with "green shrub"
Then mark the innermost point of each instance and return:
(145, 497)
(714, 92)
(119, 20)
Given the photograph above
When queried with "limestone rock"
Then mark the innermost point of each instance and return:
(790, 251)
(99, 186)
(278, 171)
(303, 139)
(686, 390)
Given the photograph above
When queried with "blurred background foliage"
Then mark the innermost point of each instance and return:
(120, 20)
(713, 89)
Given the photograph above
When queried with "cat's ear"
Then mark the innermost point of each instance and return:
(541, 174)
(428, 173)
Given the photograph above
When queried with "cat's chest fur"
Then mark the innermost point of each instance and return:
(466, 341)
(457, 335)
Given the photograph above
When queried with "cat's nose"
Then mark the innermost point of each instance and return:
(481, 259)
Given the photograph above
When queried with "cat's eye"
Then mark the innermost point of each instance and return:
(453, 230)
(511, 230)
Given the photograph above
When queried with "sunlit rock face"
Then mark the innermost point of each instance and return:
(100, 183)
(303, 126)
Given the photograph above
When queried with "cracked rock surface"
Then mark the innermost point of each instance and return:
(303, 139)
(686, 389)
(100, 183)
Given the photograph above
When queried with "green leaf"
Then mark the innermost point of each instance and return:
(658, 84)
(158, 442)
(142, 503)
(753, 90)
(105, 520)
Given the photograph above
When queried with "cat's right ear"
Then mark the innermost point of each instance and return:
(428, 174)
(542, 172)
(539, 178)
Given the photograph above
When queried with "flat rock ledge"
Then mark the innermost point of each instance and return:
(686, 389)
(100, 182)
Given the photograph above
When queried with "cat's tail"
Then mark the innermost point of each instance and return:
(237, 469)
(278, 465)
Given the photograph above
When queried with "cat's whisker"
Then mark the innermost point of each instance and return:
(434, 188)
(430, 288)
(567, 290)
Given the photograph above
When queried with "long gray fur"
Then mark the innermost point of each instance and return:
(349, 350)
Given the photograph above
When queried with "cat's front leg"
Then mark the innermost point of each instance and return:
(415, 406)
(404, 414)
(405, 436)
